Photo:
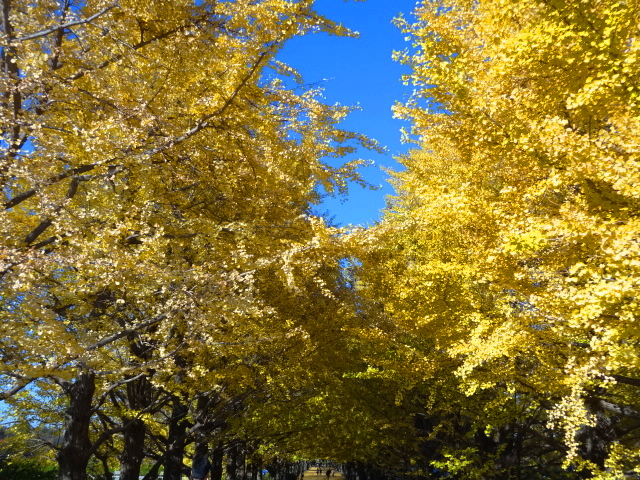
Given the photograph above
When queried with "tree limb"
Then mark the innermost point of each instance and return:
(617, 409)
(44, 33)
(204, 121)
(21, 197)
(134, 47)
(123, 333)
(626, 380)
(9, 393)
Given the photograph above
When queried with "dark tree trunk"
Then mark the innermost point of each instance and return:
(139, 396)
(217, 457)
(175, 442)
(233, 462)
(73, 457)
(597, 438)
(133, 453)
(255, 468)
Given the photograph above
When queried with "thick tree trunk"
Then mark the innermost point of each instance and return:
(175, 443)
(139, 393)
(133, 453)
(217, 457)
(73, 457)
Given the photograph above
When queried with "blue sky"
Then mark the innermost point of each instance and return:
(359, 71)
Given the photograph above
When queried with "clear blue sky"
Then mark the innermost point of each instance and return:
(359, 71)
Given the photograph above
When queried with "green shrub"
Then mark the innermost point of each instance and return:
(26, 469)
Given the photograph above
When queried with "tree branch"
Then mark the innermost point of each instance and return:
(134, 47)
(204, 121)
(123, 333)
(106, 435)
(47, 222)
(617, 409)
(21, 197)
(49, 31)
(101, 399)
(202, 124)
(9, 393)
(12, 93)
(105, 341)
(626, 380)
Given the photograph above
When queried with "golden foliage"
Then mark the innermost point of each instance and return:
(509, 259)
(158, 170)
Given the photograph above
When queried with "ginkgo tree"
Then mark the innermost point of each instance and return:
(508, 260)
(157, 170)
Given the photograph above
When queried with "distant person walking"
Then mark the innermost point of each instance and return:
(200, 465)
(328, 472)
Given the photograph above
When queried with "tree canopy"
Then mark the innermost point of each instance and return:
(508, 259)
(165, 284)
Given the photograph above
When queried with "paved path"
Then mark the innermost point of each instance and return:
(311, 474)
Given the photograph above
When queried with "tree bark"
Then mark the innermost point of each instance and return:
(74, 455)
(233, 461)
(597, 438)
(217, 457)
(175, 442)
(139, 396)
(133, 453)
